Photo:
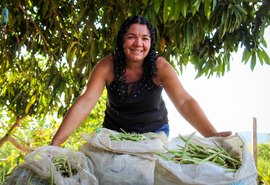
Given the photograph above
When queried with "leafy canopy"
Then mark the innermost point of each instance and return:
(48, 48)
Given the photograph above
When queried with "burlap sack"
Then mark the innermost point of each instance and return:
(123, 162)
(102, 140)
(38, 168)
(171, 173)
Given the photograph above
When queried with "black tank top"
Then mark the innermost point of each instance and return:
(135, 107)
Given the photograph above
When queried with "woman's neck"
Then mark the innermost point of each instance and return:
(134, 74)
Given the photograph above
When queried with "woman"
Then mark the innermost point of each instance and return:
(135, 77)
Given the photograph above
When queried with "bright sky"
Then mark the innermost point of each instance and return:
(230, 102)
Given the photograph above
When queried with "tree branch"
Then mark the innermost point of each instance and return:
(19, 146)
(6, 137)
(35, 25)
(38, 30)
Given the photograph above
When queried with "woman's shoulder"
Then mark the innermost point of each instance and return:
(106, 61)
(105, 68)
(162, 62)
(105, 64)
(164, 70)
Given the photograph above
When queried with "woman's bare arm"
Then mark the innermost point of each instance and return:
(79, 111)
(186, 105)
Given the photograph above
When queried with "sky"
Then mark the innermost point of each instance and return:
(231, 101)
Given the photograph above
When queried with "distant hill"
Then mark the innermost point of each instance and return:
(261, 137)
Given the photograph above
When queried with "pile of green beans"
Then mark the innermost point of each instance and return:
(192, 153)
(127, 136)
(63, 166)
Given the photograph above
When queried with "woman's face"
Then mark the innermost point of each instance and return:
(137, 42)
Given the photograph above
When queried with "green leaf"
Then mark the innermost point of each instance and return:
(195, 5)
(45, 7)
(207, 8)
(214, 4)
(145, 2)
(177, 11)
(157, 4)
(240, 9)
(166, 10)
(71, 51)
(183, 7)
(30, 3)
(189, 34)
(43, 100)
(30, 103)
(259, 54)
(224, 20)
(246, 55)
(265, 57)
(263, 42)
(253, 60)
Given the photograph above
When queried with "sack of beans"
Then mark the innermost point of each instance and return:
(53, 165)
(123, 158)
(191, 160)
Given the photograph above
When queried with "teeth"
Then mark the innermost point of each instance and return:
(135, 50)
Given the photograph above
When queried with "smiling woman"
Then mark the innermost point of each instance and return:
(137, 42)
(135, 77)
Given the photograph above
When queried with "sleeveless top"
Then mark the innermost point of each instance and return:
(135, 107)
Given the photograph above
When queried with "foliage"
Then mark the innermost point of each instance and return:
(9, 159)
(263, 164)
(38, 132)
(203, 31)
(48, 48)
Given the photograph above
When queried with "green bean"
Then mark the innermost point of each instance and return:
(61, 163)
(188, 140)
(52, 175)
(127, 136)
(114, 137)
(29, 180)
(192, 153)
(210, 157)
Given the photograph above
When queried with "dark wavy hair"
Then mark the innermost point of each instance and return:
(149, 64)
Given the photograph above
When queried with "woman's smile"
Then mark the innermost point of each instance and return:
(137, 51)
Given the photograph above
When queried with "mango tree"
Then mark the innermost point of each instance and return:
(48, 49)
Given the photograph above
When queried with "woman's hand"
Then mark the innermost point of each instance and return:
(222, 134)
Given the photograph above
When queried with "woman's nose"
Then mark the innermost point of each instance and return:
(138, 42)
